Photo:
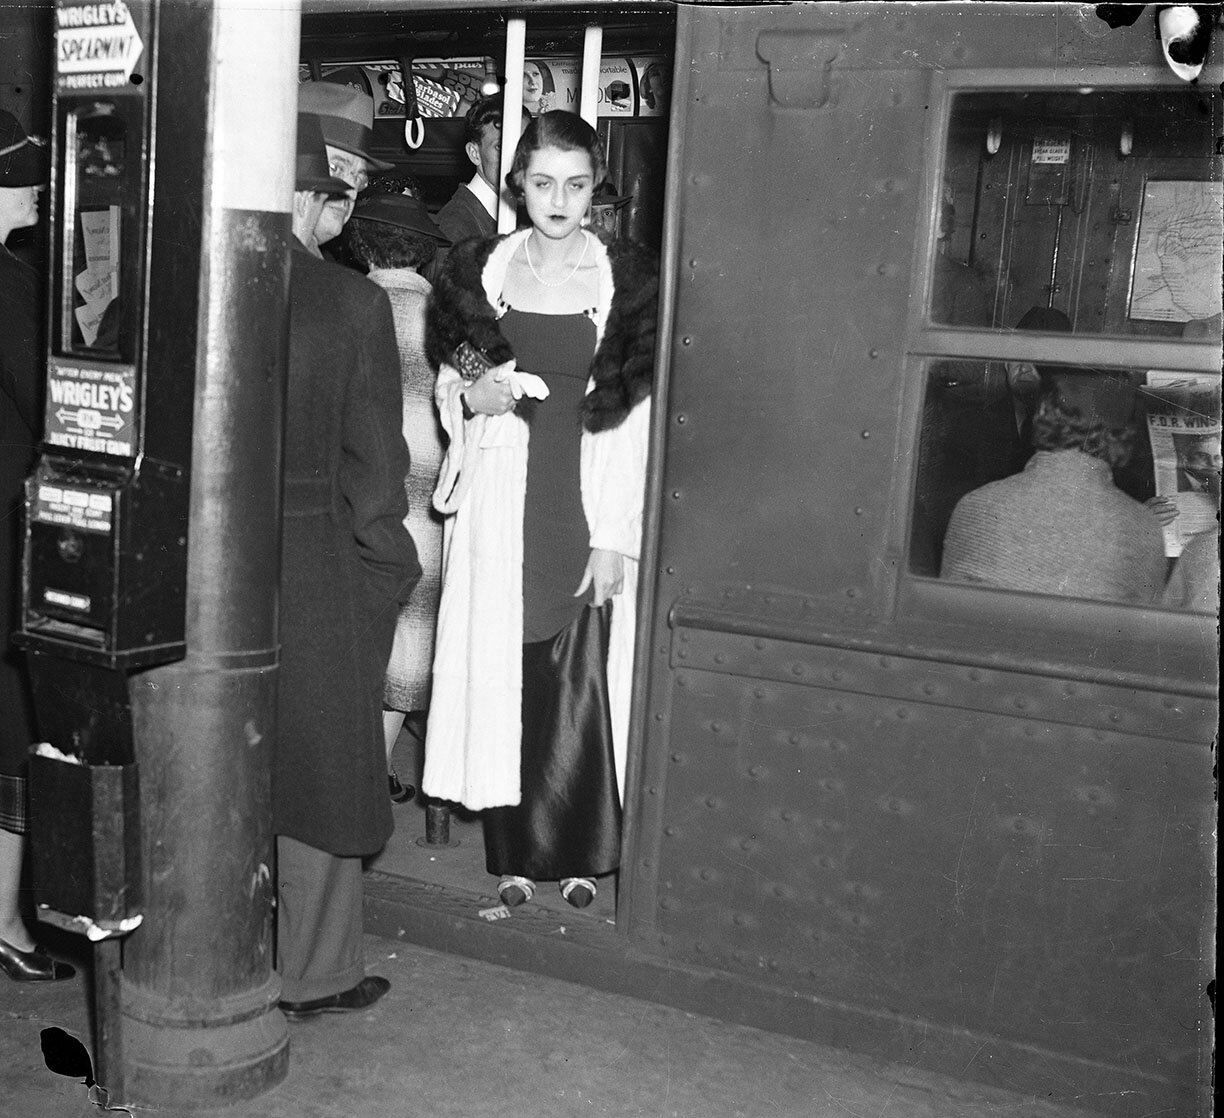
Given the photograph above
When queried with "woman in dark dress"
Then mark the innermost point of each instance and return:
(23, 173)
(544, 477)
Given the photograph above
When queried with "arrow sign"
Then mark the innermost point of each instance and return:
(97, 39)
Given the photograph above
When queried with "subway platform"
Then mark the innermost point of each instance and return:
(460, 1038)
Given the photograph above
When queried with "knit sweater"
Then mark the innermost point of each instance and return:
(1060, 526)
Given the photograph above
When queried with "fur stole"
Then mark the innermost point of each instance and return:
(623, 365)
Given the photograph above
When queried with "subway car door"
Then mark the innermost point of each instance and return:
(936, 821)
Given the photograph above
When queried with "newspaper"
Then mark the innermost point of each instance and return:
(1183, 417)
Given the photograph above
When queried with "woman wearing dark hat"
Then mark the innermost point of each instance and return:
(23, 174)
(394, 237)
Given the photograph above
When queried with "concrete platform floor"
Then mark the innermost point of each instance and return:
(457, 1038)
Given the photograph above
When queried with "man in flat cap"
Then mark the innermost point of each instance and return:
(346, 116)
(347, 566)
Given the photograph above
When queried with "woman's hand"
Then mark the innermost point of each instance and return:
(1163, 508)
(605, 570)
(491, 395)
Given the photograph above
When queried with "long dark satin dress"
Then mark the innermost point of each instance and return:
(568, 823)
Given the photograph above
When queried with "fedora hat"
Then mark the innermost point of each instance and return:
(401, 210)
(605, 195)
(312, 172)
(347, 117)
(23, 161)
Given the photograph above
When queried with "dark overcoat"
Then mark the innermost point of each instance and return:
(22, 369)
(347, 563)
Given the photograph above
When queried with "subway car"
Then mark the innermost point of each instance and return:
(874, 798)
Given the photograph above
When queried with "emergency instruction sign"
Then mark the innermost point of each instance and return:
(97, 45)
(91, 407)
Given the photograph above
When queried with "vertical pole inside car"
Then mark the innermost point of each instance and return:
(152, 534)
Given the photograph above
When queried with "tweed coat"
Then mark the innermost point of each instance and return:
(21, 388)
(347, 563)
(1060, 526)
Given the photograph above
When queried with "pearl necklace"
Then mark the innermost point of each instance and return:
(586, 240)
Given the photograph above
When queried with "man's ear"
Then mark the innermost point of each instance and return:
(473, 152)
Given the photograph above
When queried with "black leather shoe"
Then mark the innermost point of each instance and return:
(361, 996)
(32, 966)
(400, 793)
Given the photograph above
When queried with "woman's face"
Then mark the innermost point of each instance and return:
(18, 207)
(557, 188)
(533, 83)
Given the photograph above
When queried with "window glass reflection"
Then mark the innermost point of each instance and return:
(95, 274)
(1068, 480)
(1096, 204)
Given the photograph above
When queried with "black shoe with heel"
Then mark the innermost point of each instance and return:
(32, 966)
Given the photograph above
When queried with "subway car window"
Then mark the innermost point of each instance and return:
(1069, 480)
(1096, 203)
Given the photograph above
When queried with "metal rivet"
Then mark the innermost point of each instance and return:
(873, 353)
(658, 716)
(686, 341)
(716, 727)
(652, 791)
(682, 419)
(671, 570)
(669, 830)
(682, 654)
(858, 511)
(866, 434)
(676, 494)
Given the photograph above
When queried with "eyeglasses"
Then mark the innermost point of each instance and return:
(356, 177)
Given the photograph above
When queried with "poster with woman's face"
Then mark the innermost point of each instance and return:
(540, 87)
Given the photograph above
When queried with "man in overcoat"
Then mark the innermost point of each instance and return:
(347, 565)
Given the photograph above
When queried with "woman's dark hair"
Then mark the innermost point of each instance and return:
(379, 245)
(1059, 425)
(547, 85)
(556, 129)
(393, 183)
(646, 91)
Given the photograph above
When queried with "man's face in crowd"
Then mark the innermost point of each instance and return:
(352, 169)
(487, 154)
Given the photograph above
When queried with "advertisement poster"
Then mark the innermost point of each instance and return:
(1177, 258)
(91, 407)
(448, 87)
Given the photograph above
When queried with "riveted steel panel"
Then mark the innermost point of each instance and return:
(1015, 877)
